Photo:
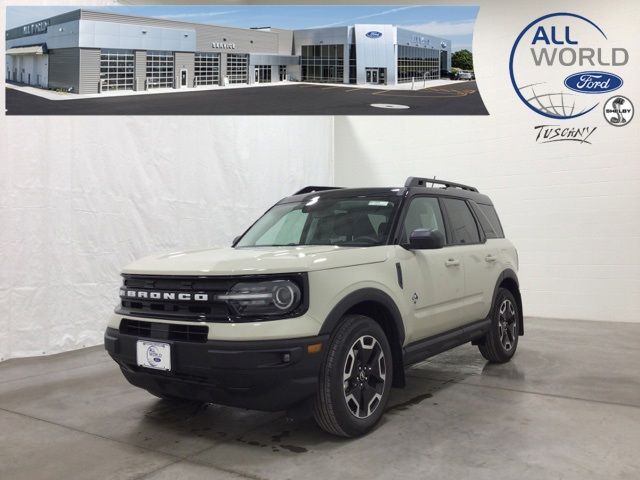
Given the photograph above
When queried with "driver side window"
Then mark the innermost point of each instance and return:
(423, 212)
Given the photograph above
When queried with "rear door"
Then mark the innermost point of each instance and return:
(480, 258)
(433, 279)
(493, 250)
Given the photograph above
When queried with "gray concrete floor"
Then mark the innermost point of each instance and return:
(567, 406)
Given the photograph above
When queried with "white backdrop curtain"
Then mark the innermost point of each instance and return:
(81, 197)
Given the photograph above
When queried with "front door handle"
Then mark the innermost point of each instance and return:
(452, 262)
(490, 258)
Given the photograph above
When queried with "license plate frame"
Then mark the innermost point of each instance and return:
(153, 355)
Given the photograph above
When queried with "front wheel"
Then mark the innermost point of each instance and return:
(500, 343)
(355, 378)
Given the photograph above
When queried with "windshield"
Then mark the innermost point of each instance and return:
(343, 221)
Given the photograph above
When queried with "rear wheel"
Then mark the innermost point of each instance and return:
(355, 378)
(500, 343)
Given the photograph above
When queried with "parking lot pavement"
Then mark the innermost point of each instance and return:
(299, 99)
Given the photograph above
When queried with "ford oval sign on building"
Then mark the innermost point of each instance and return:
(593, 82)
(373, 34)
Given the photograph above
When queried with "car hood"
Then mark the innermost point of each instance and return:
(258, 260)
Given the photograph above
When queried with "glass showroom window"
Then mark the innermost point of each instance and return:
(116, 69)
(159, 69)
(263, 73)
(417, 62)
(207, 68)
(237, 68)
(323, 63)
(353, 75)
(282, 72)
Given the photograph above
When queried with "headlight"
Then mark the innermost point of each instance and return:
(269, 298)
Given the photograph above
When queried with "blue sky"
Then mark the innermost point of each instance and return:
(452, 22)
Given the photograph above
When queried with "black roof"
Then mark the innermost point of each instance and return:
(413, 186)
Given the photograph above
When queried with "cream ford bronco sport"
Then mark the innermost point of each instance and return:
(324, 301)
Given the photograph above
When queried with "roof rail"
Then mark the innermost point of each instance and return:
(422, 182)
(312, 188)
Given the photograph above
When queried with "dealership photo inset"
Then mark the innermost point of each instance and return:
(213, 60)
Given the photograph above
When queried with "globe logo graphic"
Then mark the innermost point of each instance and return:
(548, 51)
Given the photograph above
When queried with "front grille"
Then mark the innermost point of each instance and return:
(164, 331)
(199, 303)
(175, 308)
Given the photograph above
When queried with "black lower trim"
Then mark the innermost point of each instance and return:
(422, 349)
(360, 296)
(262, 375)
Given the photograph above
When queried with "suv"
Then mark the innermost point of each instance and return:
(466, 75)
(323, 302)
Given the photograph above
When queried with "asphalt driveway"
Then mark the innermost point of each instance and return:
(299, 99)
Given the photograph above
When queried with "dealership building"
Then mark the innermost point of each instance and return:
(84, 51)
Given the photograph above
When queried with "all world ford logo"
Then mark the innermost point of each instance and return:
(373, 34)
(593, 82)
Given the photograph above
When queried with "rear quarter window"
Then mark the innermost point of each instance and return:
(489, 220)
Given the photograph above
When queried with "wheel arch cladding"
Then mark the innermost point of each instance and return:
(380, 307)
(509, 280)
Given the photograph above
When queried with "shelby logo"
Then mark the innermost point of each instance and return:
(556, 133)
(145, 294)
(618, 111)
(373, 34)
(544, 60)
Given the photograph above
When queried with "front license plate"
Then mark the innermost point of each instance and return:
(154, 355)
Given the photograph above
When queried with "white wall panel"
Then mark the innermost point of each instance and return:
(572, 214)
(571, 209)
(81, 197)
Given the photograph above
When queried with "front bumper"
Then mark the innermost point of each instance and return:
(266, 375)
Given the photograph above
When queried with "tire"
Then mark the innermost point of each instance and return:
(501, 342)
(356, 371)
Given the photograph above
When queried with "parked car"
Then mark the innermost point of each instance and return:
(466, 75)
(323, 302)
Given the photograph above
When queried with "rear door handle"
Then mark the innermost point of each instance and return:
(490, 258)
(452, 262)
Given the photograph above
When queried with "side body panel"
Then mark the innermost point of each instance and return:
(484, 265)
(433, 291)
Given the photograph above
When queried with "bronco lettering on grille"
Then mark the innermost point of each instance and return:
(144, 294)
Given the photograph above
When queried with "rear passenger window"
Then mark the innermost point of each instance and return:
(488, 214)
(463, 226)
(424, 212)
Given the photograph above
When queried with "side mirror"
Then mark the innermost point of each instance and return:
(425, 239)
